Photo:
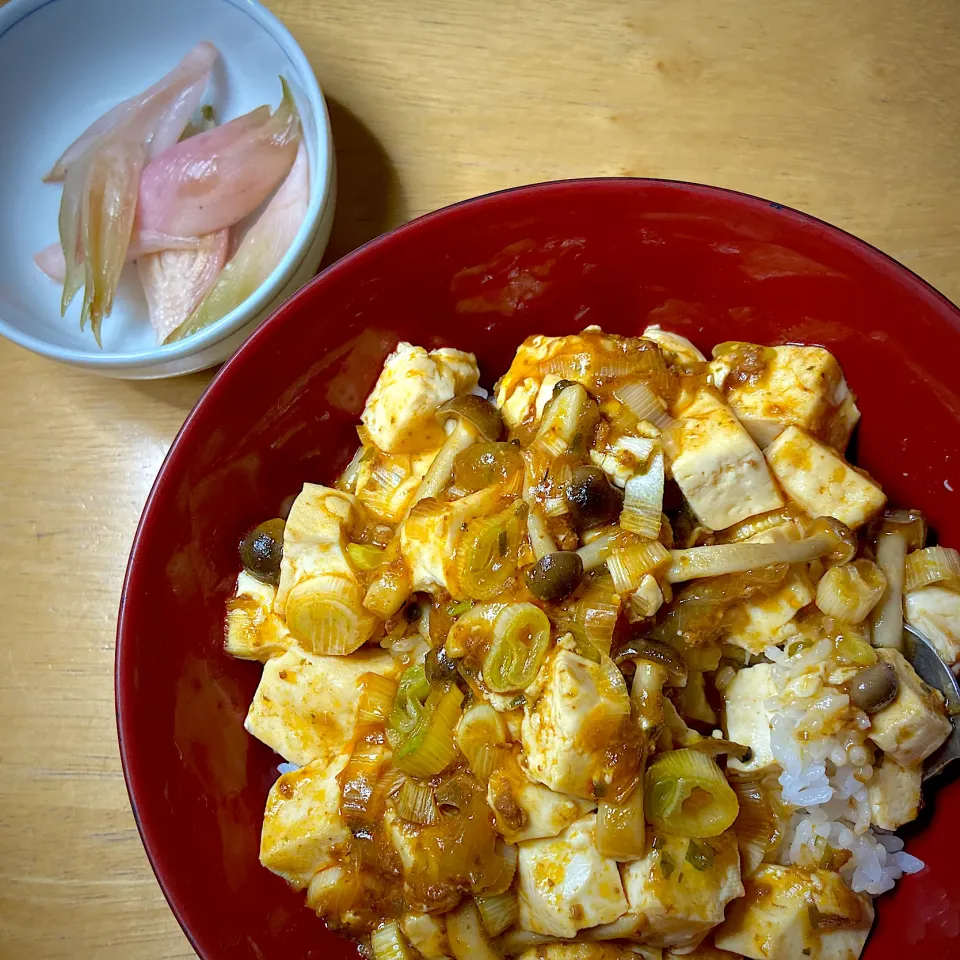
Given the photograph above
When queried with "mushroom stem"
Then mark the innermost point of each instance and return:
(900, 532)
(464, 435)
(646, 694)
(540, 540)
(828, 539)
(594, 554)
(888, 616)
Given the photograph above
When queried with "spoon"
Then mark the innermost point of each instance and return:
(933, 671)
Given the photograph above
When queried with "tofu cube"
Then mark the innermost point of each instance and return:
(680, 889)
(935, 612)
(820, 481)
(675, 349)
(572, 712)
(590, 358)
(388, 482)
(427, 934)
(717, 465)
(253, 630)
(320, 595)
(305, 706)
(302, 828)
(788, 386)
(746, 717)
(893, 793)
(400, 413)
(757, 623)
(565, 885)
(623, 458)
(526, 373)
(524, 405)
(430, 536)
(315, 539)
(526, 810)
(793, 914)
(915, 724)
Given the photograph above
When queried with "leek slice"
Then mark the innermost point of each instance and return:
(422, 723)
(415, 802)
(629, 565)
(360, 796)
(621, 827)
(326, 614)
(377, 694)
(388, 943)
(488, 550)
(568, 422)
(482, 737)
(498, 912)
(850, 591)
(521, 634)
(687, 795)
(932, 565)
(643, 500)
(644, 404)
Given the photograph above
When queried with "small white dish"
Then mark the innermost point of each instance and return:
(63, 63)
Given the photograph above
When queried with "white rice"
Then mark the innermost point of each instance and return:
(825, 772)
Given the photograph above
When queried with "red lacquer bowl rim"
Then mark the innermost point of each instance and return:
(882, 262)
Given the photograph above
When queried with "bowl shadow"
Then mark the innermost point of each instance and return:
(370, 199)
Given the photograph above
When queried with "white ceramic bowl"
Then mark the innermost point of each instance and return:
(65, 62)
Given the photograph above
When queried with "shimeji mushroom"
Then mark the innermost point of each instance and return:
(827, 540)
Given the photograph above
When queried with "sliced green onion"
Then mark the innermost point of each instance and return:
(782, 520)
(498, 912)
(488, 551)
(365, 557)
(481, 737)
(687, 795)
(849, 648)
(621, 827)
(347, 481)
(388, 943)
(643, 500)
(521, 634)
(377, 694)
(422, 723)
(568, 422)
(334, 890)
(326, 614)
(415, 802)
(850, 591)
(387, 489)
(629, 565)
(596, 612)
(644, 404)
(931, 565)
(700, 855)
(359, 797)
(760, 822)
(390, 588)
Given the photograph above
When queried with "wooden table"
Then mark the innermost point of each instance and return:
(846, 110)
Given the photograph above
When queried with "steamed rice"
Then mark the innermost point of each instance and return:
(818, 738)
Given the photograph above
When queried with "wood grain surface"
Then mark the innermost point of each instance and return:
(846, 110)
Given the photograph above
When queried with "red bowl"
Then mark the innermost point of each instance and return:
(552, 258)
